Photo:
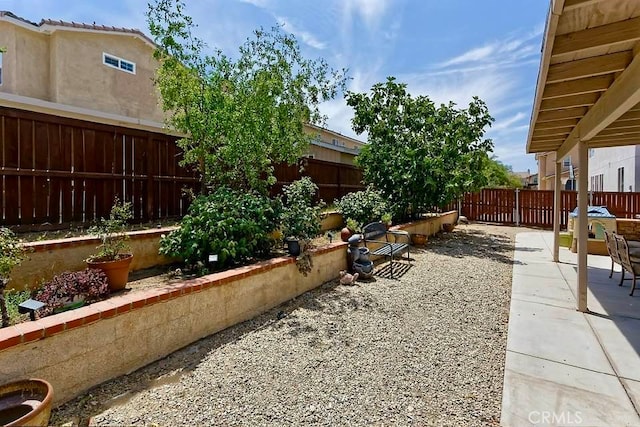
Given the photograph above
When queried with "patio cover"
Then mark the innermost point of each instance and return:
(587, 95)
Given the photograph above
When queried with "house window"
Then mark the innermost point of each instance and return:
(119, 63)
(566, 162)
(592, 152)
(620, 180)
(597, 182)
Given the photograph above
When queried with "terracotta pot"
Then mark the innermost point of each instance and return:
(26, 403)
(345, 233)
(419, 239)
(117, 271)
(448, 227)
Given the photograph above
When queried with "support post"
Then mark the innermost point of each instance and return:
(517, 216)
(557, 201)
(583, 199)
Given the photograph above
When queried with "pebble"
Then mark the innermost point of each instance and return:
(427, 349)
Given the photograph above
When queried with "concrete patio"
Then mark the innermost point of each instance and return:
(564, 367)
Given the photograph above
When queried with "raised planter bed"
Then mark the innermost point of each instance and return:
(50, 257)
(79, 349)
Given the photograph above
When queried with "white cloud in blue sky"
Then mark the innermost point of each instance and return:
(449, 50)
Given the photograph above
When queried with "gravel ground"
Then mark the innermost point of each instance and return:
(427, 349)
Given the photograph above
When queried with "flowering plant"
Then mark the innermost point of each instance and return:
(72, 287)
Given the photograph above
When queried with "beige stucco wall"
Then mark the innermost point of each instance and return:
(25, 64)
(325, 154)
(547, 171)
(48, 258)
(77, 359)
(81, 79)
(66, 67)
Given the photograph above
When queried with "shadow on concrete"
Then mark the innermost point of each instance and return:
(620, 308)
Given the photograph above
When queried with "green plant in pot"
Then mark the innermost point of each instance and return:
(11, 254)
(386, 219)
(113, 256)
(300, 217)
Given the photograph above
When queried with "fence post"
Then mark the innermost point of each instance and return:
(517, 213)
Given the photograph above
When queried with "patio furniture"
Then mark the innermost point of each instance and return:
(374, 233)
(629, 262)
(612, 249)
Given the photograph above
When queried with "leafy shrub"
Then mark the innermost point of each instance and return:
(112, 232)
(301, 217)
(231, 224)
(364, 206)
(89, 285)
(13, 299)
(11, 254)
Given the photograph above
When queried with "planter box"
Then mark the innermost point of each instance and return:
(50, 257)
(95, 342)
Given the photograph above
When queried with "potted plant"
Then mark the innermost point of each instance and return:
(386, 219)
(113, 256)
(11, 254)
(300, 218)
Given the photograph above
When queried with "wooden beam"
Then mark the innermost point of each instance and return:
(556, 124)
(589, 67)
(553, 17)
(579, 86)
(577, 4)
(622, 132)
(587, 40)
(550, 140)
(569, 113)
(630, 115)
(583, 100)
(550, 132)
(609, 143)
(624, 124)
(622, 96)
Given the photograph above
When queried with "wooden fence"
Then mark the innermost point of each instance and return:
(535, 207)
(334, 180)
(56, 171)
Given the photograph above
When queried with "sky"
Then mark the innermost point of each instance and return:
(449, 50)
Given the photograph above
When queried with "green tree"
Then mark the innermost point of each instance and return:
(419, 155)
(500, 175)
(241, 115)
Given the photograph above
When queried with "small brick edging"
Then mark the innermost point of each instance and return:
(49, 245)
(42, 328)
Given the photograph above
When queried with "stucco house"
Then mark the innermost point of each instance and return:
(104, 74)
(546, 170)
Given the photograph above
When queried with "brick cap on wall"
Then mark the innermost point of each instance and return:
(50, 325)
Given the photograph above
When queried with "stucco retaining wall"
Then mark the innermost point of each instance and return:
(79, 349)
(50, 257)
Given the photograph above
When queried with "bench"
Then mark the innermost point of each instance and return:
(375, 232)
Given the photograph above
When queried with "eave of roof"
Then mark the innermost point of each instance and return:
(588, 85)
(51, 25)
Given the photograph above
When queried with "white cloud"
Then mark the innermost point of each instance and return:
(509, 50)
(257, 3)
(506, 123)
(370, 10)
(305, 36)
